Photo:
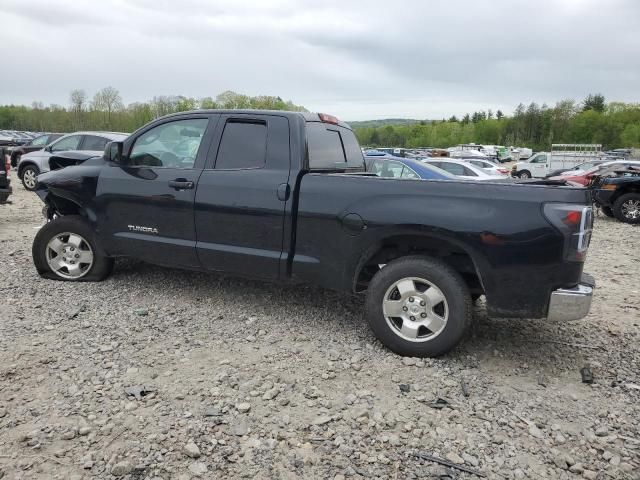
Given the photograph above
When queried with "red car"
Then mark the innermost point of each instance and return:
(584, 177)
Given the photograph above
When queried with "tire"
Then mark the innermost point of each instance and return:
(69, 250)
(29, 177)
(607, 211)
(446, 311)
(524, 174)
(627, 208)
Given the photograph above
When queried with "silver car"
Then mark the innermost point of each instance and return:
(33, 164)
(464, 170)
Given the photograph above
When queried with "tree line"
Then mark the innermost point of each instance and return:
(614, 125)
(106, 110)
(535, 126)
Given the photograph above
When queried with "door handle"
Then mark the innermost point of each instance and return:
(284, 190)
(181, 184)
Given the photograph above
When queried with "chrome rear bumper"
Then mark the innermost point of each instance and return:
(572, 303)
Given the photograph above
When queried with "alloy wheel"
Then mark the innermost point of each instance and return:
(30, 178)
(415, 309)
(69, 255)
(631, 209)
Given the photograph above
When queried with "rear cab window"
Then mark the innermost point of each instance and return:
(333, 147)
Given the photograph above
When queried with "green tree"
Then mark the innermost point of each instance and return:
(594, 102)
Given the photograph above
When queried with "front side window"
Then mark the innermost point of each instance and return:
(540, 159)
(66, 143)
(243, 145)
(170, 145)
(91, 142)
(40, 141)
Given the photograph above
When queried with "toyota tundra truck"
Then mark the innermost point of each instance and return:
(283, 196)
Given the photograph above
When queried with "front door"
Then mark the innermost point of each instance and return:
(539, 167)
(146, 202)
(243, 198)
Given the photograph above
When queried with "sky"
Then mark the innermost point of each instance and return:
(357, 59)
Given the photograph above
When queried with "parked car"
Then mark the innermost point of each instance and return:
(617, 192)
(463, 169)
(584, 178)
(283, 196)
(578, 169)
(33, 164)
(489, 166)
(5, 181)
(38, 143)
(398, 167)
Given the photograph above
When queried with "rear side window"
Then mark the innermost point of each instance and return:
(332, 147)
(455, 168)
(243, 145)
(91, 142)
(66, 143)
(40, 141)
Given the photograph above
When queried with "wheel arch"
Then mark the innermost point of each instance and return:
(24, 164)
(64, 206)
(451, 251)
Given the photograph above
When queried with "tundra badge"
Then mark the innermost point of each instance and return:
(138, 228)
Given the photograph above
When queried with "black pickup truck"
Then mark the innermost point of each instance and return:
(283, 196)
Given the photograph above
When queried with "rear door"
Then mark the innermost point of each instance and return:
(242, 196)
(146, 203)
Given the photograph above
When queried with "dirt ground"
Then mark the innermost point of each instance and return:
(238, 379)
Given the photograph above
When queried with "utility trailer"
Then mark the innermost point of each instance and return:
(563, 156)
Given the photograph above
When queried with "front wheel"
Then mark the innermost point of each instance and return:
(627, 208)
(30, 177)
(524, 174)
(418, 306)
(66, 249)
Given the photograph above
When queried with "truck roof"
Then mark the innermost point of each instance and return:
(307, 116)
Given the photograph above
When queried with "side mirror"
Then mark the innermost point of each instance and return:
(48, 149)
(113, 152)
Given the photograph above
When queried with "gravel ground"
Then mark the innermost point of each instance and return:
(167, 374)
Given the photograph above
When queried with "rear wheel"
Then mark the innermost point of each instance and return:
(627, 208)
(524, 174)
(418, 306)
(66, 249)
(30, 177)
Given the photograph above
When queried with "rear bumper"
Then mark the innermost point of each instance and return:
(572, 303)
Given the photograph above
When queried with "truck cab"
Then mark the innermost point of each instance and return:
(535, 167)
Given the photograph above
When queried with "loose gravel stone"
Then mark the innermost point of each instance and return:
(191, 450)
(324, 398)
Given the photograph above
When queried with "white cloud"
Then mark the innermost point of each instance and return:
(358, 59)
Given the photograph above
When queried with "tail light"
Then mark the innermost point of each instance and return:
(7, 165)
(575, 222)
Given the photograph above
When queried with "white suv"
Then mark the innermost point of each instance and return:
(33, 164)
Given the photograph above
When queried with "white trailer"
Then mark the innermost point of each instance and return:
(561, 156)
